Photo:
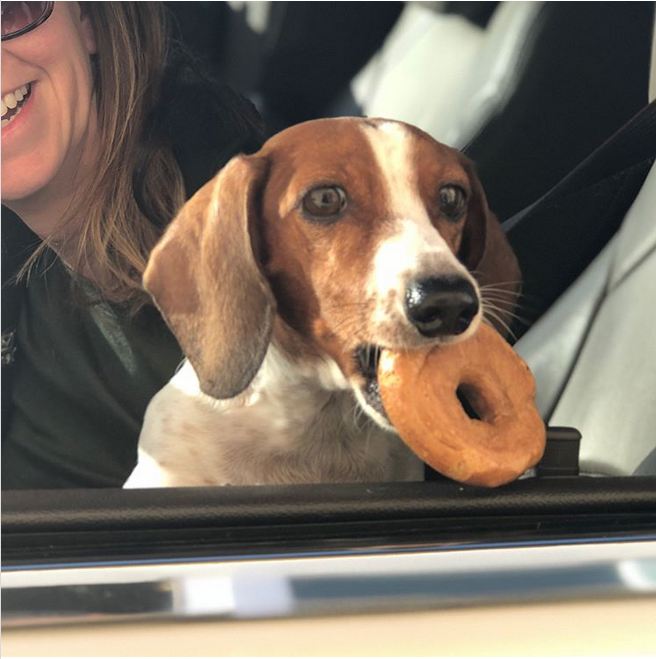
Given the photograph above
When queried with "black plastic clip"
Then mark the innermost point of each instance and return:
(561, 454)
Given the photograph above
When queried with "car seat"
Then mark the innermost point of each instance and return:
(593, 353)
(441, 70)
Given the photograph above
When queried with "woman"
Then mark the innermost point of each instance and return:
(101, 143)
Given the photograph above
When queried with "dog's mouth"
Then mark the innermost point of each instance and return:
(367, 357)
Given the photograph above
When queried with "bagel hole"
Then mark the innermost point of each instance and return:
(471, 402)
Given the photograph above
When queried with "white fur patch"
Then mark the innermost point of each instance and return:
(392, 147)
(148, 473)
(414, 248)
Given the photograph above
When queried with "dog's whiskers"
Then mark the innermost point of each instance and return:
(498, 290)
(503, 306)
(493, 297)
(504, 312)
(506, 306)
(490, 314)
(492, 319)
(491, 304)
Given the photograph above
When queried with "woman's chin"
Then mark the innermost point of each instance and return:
(18, 189)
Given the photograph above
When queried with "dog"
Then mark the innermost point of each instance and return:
(283, 277)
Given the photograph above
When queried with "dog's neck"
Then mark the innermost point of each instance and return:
(293, 389)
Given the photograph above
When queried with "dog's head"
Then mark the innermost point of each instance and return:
(346, 235)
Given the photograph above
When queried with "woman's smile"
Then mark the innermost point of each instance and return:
(12, 102)
(15, 107)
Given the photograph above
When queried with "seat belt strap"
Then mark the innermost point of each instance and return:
(632, 144)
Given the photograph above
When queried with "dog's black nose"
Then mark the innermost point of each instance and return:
(440, 306)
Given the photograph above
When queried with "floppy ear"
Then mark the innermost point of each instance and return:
(487, 254)
(205, 279)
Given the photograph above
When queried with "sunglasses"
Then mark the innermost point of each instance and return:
(21, 17)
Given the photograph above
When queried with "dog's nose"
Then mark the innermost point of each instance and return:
(441, 306)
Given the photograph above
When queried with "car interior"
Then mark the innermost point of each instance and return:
(555, 103)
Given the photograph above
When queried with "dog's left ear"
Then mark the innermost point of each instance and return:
(486, 252)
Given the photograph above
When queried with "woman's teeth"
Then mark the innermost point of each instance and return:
(11, 103)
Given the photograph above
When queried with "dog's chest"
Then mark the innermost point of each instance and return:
(284, 430)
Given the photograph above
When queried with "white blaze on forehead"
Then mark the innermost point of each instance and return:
(414, 247)
(392, 144)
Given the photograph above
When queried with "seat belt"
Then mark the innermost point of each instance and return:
(632, 144)
(556, 237)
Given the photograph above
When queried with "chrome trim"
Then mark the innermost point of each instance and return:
(329, 585)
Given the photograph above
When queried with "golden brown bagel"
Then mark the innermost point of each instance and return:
(418, 389)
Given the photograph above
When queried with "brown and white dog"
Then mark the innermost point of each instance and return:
(283, 276)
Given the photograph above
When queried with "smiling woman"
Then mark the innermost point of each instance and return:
(96, 158)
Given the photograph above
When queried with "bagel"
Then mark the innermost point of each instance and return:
(420, 388)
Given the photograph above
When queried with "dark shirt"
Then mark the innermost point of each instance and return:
(86, 374)
(77, 377)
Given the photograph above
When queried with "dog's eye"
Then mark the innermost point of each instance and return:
(325, 202)
(453, 201)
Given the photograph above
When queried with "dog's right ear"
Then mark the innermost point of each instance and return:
(486, 253)
(205, 278)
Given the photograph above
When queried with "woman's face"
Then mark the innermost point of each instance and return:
(43, 145)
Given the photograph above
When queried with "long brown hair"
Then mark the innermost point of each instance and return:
(113, 236)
